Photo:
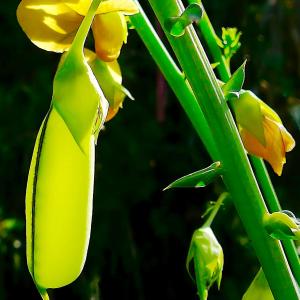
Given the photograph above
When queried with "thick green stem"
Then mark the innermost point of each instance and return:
(258, 165)
(238, 175)
(175, 78)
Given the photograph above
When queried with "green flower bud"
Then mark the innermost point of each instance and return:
(281, 226)
(208, 258)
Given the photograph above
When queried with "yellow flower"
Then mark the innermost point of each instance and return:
(262, 131)
(52, 24)
(109, 77)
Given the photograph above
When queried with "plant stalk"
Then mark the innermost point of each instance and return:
(238, 176)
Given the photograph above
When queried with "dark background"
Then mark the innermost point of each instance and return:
(140, 235)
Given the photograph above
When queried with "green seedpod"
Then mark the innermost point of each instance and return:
(60, 182)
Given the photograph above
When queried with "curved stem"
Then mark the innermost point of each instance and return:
(79, 40)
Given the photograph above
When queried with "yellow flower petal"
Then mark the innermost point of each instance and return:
(274, 151)
(110, 32)
(51, 26)
(127, 7)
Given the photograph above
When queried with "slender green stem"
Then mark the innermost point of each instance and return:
(175, 79)
(215, 210)
(259, 167)
(79, 40)
(238, 175)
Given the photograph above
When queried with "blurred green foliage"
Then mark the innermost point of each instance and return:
(140, 235)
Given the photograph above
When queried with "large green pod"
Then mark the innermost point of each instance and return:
(60, 183)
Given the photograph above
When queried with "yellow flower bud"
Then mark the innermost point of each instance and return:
(261, 130)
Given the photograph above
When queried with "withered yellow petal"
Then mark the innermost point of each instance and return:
(51, 25)
(288, 140)
(127, 7)
(110, 32)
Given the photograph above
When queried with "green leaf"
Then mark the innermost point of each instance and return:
(199, 178)
(176, 25)
(236, 81)
(259, 288)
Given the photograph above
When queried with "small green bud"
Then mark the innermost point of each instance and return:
(208, 258)
(280, 226)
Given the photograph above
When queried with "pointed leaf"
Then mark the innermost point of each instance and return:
(199, 178)
(236, 81)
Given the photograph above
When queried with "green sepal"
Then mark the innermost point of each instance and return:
(77, 96)
(235, 83)
(259, 288)
(280, 226)
(199, 178)
(176, 25)
(248, 114)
